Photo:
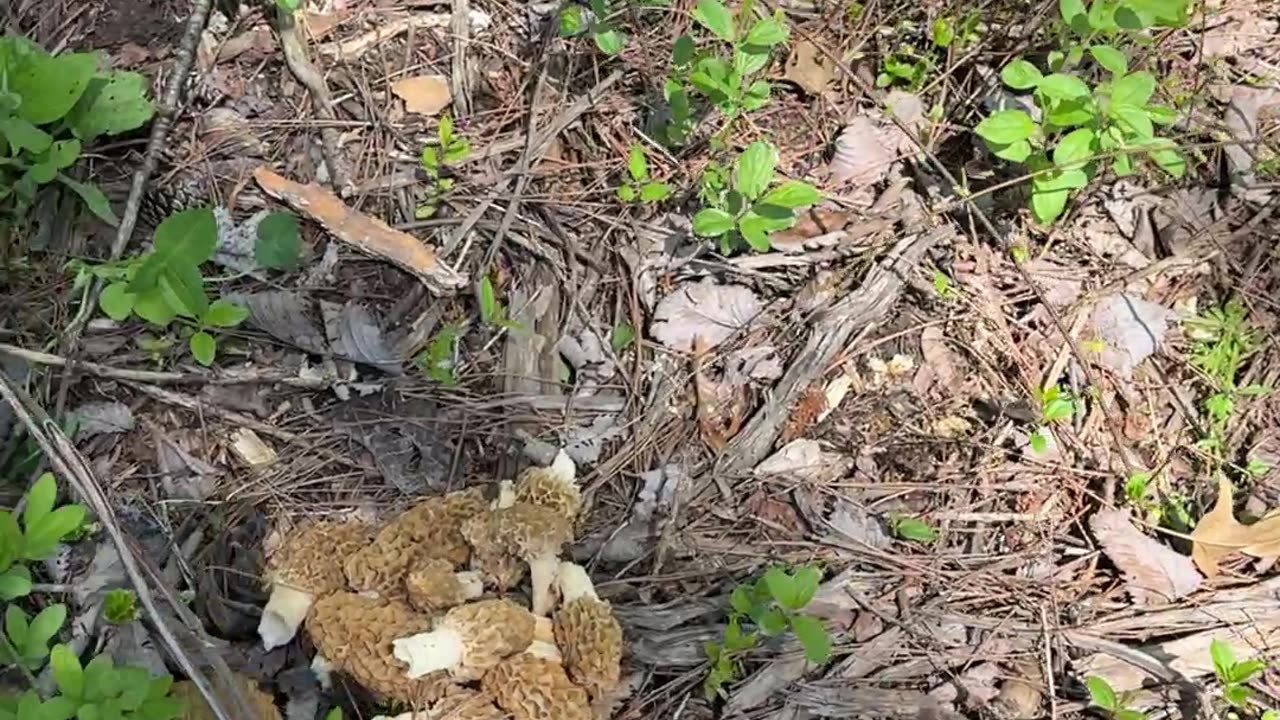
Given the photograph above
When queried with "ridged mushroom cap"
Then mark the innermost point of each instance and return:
(531, 533)
(588, 634)
(459, 704)
(554, 487)
(306, 565)
(534, 688)
(432, 529)
(468, 640)
(434, 586)
(354, 633)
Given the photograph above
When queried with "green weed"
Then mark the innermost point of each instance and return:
(1102, 109)
(120, 606)
(754, 204)
(1234, 674)
(639, 187)
(439, 359)
(768, 607)
(915, 529)
(1222, 340)
(577, 20)
(1054, 404)
(450, 149)
(1103, 696)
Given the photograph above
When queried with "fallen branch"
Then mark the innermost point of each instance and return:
(295, 56)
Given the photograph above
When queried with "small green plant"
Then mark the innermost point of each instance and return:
(36, 538)
(915, 529)
(576, 20)
(755, 204)
(492, 311)
(450, 150)
(769, 606)
(165, 284)
(1222, 340)
(622, 337)
(1055, 404)
(96, 690)
(50, 106)
(639, 187)
(439, 359)
(905, 69)
(1234, 675)
(30, 637)
(288, 6)
(120, 606)
(1104, 697)
(1104, 109)
(942, 285)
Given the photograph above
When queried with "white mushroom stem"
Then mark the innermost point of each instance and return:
(429, 651)
(472, 583)
(542, 575)
(574, 583)
(285, 610)
(563, 469)
(506, 496)
(544, 641)
(323, 670)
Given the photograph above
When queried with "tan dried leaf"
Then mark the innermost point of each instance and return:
(705, 310)
(1152, 570)
(423, 94)
(810, 68)
(1218, 534)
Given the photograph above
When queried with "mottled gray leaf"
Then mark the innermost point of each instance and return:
(97, 418)
(1153, 572)
(705, 310)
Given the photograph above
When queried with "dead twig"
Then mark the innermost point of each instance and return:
(295, 56)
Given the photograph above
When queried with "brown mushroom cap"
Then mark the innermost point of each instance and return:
(196, 708)
(468, 640)
(355, 632)
(433, 586)
(589, 636)
(532, 533)
(534, 688)
(464, 704)
(307, 564)
(554, 487)
(432, 529)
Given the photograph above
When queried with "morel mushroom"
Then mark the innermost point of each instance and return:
(355, 634)
(587, 633)
(530, 533)
(460, 704)
(308, 564)
(433, 586)
(555, 487)
(534, 688)
(468, 640)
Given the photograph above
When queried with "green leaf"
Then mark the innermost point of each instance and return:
(767, 32)
(183, 288)
(942, 33)
(50, 86)
(67, 672)
(1101, 694)
(15, 626)
(117, 301)
(45, 626)
(806, 585)
(714, 16)
(1134, 121)
(1073, 12)
(1110, 58)
(654, 192)
(637, 163)
(278, 244)
(58, 708)
(682, 51)
(1074, 148)
(610, 42)
(22, 135)
(771, 621)
(1070, 113)
(1162, 114)
(184, 239)
(1170, 13)
(154, 308)
(489, 308)
(740, 600)
(627, 193)
(1006, 126)
(909, 528)
(334, 714)
(1047, 206)
(792, 194)
(1170, 161)
(203, 348)
(573, 21)
(100, 680)
(622, 336)
(1224, 658)
(755, 230)
(1015, 152)
(224, 313)
(1246, 670)
(15, 583)
(753, 171)
(1060, 86)
(781, 586)
(120, 606)
(42, 538)
(1134, 89)
(711, 222)
(40, 501)
(1021, 75)
(111, 105)
(93, 198)
(813, 637)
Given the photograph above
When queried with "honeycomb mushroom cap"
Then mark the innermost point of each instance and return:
(534, 688)
(355, 633)
(469, 639)
(432, 529)
(459, 704)
(307, 564)
(532, 533)
(555, 487)
(433, 586)
(196, 708)
(588, 634)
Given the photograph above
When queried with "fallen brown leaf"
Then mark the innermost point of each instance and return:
(1152, 570)
(423, 94)
(810, 68)
(721, 408)
(367, 234)
(1218, 534)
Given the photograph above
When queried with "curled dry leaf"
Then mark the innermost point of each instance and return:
(806, 460)
(869, 145)
(703, 310)
(1219, 534)
(423, 94)
(810, 68)
(1152, 570)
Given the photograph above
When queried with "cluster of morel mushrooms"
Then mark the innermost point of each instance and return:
(418, 611)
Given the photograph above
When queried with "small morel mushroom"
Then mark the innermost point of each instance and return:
(355, 634)
(534, 688)
(468, 640)
(308, 564)
(432, 529)
(530, 533)
(588, 634)
(555, 487)
(433, 586)
(197, 708)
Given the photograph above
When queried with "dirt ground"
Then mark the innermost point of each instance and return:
(1022, 454)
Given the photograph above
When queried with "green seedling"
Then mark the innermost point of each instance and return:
(961, 34)
(577, 20)
(29, 638)
(914, 529)
(767, 607)
(450, 149)
(35, 539)
(1235, 675)
(639, 187)
(1104, 697)
(120, 606)
(1222, 341)
(1087, 112)
(165, 284)
(942, 285)
(50, 107)
(755, 204)
(1055, 404)
(440, 359)
(622, 337)
(96, 690)
(904, 69)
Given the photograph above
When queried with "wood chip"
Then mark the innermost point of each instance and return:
(367, 234)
